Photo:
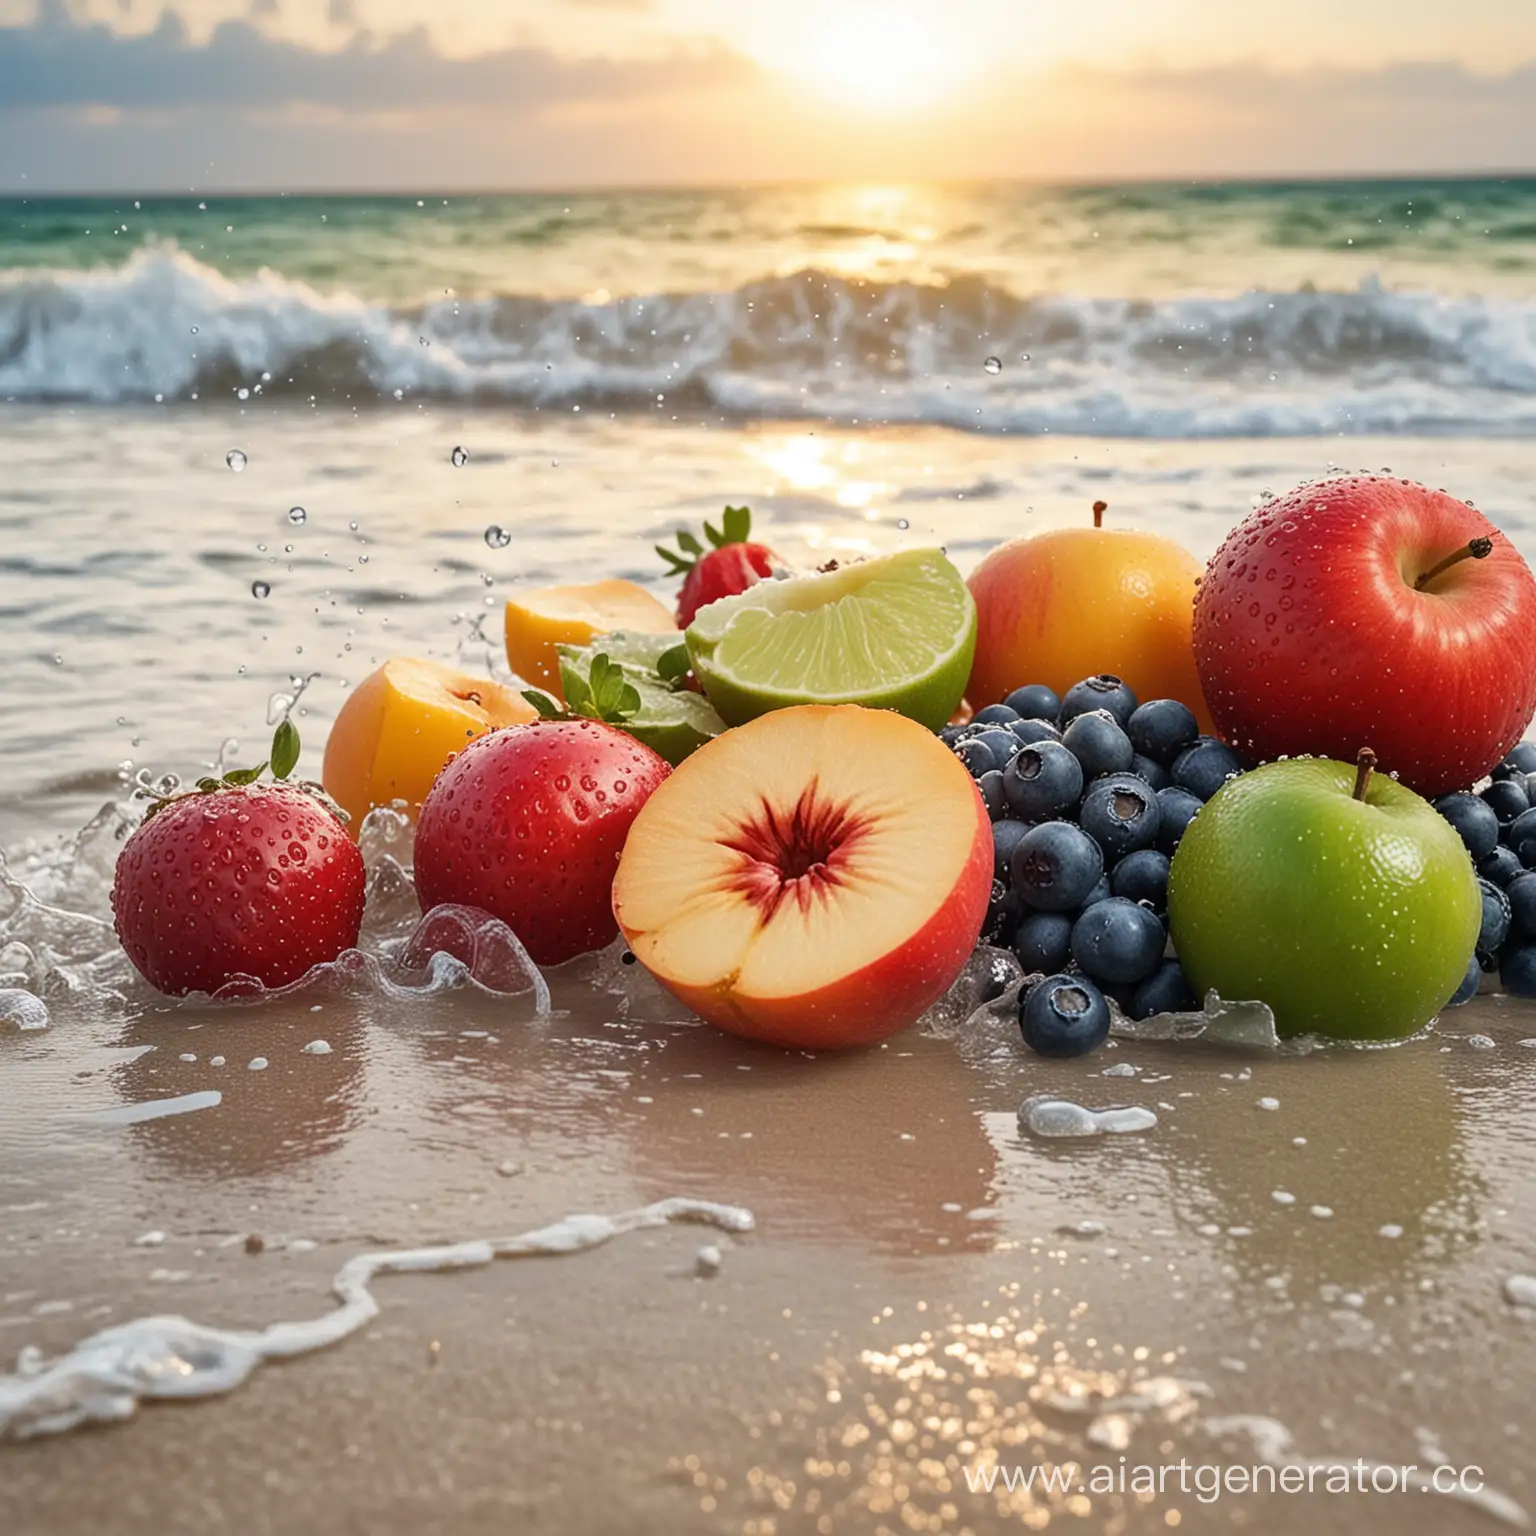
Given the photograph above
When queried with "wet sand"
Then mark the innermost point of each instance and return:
(908, 1306)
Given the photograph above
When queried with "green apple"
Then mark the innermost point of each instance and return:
(1333, 894)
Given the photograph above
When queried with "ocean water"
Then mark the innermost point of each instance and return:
(1149, 311)
(864, 366)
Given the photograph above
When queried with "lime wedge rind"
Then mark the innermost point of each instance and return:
(895, 632)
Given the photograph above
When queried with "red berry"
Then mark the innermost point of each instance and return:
(528, 823)
(721, 573)
(261, 882)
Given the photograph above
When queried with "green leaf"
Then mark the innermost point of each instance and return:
(285, 748)
(738, 524)
(628, 705)
(578, 696)
(713, 534)
(607, 685)
(689, 542)
(239, 777)
(676, 565)
(674, 665)
(209, 785)
(546, 706)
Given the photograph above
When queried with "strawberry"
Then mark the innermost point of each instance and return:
(238, 878)
(527, 823)
(731, 564)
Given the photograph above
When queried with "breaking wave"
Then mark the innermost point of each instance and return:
(812, 345)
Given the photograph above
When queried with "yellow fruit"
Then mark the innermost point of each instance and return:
(539, 620)
(1073, 602)
(399, 727)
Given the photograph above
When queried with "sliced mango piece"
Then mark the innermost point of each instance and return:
(545, 617)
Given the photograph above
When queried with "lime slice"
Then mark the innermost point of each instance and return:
(672, 722)
(896, 632)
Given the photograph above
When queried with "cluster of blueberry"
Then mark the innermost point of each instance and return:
(1499, 828)
(1089, 795)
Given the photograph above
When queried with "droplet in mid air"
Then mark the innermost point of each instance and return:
(460, 457)
(261, 589)
(235, 459)
(297, 516)
(497, 536)
(993, 365)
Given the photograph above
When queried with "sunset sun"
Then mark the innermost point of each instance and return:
(884, 56)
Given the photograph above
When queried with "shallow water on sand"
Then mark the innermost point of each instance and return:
(929, 1289)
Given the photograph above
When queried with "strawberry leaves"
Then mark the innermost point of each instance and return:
(604, 694)
(281, 759)
(735, 528)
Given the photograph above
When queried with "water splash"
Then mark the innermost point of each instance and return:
(103, 1379)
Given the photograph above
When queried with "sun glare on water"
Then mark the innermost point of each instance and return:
(883, 56)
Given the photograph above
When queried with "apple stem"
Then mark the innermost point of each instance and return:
(1365, 766)
(1099, 509)
(1478, 549)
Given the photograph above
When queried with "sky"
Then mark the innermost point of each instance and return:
(457, 95)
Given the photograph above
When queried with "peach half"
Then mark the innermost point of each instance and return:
(540, 619)
(402, 724)
(815, 878)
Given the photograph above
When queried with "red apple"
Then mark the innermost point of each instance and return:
(527, 823)
(815, 878)
(1370, 612)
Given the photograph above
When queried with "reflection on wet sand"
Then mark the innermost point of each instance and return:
(687, 1109)
(299, 1107)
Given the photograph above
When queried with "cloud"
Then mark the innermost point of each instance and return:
(58, 64)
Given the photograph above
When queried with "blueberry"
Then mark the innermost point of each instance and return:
(1118, 941)
(1098, 743)
(1043, 942)
(994, 714)
(1497, 915)
(1006, 836)
(1043, 781)
(1028, 732)
(1203, 768)
(950, 735)
(1521, 760)
(1001, 742)
(1469, 984)
(1474, 819)
(991, 786)
(1004, 913)
(1501, 866)
(1152, 771)
(977, 756)
(1162, 728)
(1100, 892)
(1120, 813)
(997, 978)
(1034, 702)
(1104, 692)
(1176, 809)
(1521, 836)
(1166, 990)
(1507, 799)
(1056, 866)
(1521, 893)
(1064, 1016)
(1517, 972)
(1142, 876)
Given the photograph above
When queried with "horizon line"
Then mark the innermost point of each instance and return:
(601, 189)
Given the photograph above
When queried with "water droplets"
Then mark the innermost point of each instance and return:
(459, 457)
(261, 589)
(993, 365)
(297, 516)
(497, 537)
(236, 460)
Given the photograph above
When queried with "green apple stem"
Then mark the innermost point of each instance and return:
(1365, 766)
(1099, 509)
(1478, 549)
